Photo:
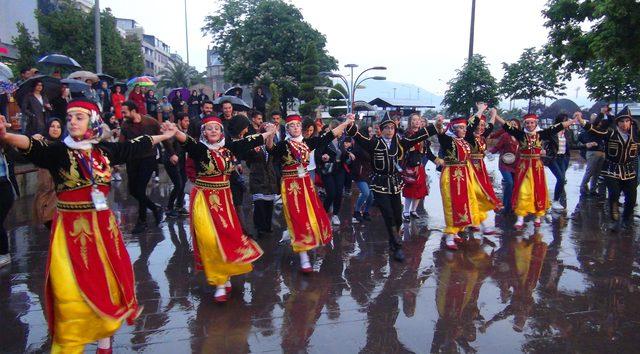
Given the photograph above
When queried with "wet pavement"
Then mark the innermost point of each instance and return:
(570, 287)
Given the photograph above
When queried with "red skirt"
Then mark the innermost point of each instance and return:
(419, 189)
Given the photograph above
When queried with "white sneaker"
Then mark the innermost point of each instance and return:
(335, 220)
(156, 178)
(285, 236)
(557, 206)
(5, 259)
(355, 221)
(116, 176)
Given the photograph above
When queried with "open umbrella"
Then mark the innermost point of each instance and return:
(7, 87)
(51, 87)
(123, 87)
(108, 78)
(184, 93)
(234, 91)
(5, 72)
(76, 86)
(141, 81)
(238, 104)
(59, 60)
(84, 75)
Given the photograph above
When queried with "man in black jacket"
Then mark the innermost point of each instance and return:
(594, 146)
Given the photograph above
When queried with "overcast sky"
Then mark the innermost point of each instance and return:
(421, 42)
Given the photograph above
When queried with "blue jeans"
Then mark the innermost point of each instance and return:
(558, 166)
(365, 198)
(507, 189)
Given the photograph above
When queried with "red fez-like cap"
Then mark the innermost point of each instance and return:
(460, 120)
(83, 105)
(211, 119)
(530, 116)
(293, 118)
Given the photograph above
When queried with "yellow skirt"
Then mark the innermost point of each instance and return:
(526, 203)
(484, 204)
(75, 322)
(216, 269)
(447, 201)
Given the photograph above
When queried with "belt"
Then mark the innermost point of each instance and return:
(455, 164)
(530, 156)
(477, 156)
(212, 185)
(293, 173)
(75, 206)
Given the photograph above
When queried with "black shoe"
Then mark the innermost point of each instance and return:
(158, 214)
(357, 218)
(406, 217)
(141, 226)
(182, 211)
(171, 213)
(414, 215)
(366, 216)
(398, 255)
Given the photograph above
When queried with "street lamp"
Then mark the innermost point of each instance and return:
(363, 80)
(351, 85)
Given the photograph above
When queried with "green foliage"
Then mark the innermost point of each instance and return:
(70, 31)
(274, 103)
(531, 77)
(263, 42)
(473, 83)
(581, 31)
(337, 100)
(309, 80)
(28, 49)
(179, 74)
(607, 82)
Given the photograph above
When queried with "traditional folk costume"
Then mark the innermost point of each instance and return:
(386, 182)
(485, 195)
(416, 185)
(220, 247)
(458, 185)
(530, 189)
(89, 287)
(620, 166)
(307, 222)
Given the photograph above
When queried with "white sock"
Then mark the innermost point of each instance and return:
(450, 239)
(414, 204)
(220, 290)
(304, 258)
(407, 206)
(104, 343)
(520, 220)
(536, 219)
(227, 284)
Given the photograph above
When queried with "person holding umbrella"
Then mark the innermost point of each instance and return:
(36, 107)
(89, 279)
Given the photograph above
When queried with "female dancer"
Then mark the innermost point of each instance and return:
(479, 129)
(307, 222)
(530, 190)
(415, 191)
(89, 280)
(220, 246)
(458, 183)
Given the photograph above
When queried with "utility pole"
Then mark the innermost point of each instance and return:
(97, 37)
(473, 22)
(186, 31)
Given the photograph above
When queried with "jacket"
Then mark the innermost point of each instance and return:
(9, 157)
(36, 114)
(262, 175)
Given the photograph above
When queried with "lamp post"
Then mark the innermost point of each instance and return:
(352, 84)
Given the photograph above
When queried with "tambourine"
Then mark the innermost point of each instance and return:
(508, 158)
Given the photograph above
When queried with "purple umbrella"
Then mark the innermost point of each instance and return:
(184, 93)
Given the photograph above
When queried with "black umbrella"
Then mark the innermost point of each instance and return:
(51, 87)
(234, 91)
(123, 87)
(59, 60)
(108, 78)
(76, 86)
(238, 104)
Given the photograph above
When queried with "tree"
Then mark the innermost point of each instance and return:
(28, 48)
(70, 31)
(179, 74)
(582, 31)
(531, 77)
(309, 80)
(473, 83)
(607, 82)
(253, 37)
(273, 105)
(337, 100)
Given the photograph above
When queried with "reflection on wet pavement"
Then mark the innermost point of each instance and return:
(571, 286)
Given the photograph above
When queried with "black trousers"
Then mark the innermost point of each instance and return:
(334, 188)
(138, 176)
(177, 175)
(262, 214)
(391, 209)
(629, 188)
(6, 201)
